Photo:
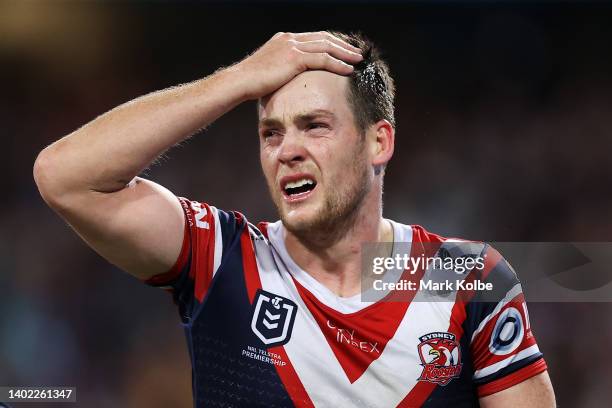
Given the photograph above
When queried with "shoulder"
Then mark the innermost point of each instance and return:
(453, 247)
(494, 267)
(421, 234)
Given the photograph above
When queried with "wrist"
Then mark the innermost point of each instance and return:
(217, 93)
(237, 83)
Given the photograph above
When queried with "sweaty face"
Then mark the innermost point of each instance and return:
(312, 154)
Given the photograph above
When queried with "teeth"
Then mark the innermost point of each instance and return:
(298, 183)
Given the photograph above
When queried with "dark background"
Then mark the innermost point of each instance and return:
(504, 133)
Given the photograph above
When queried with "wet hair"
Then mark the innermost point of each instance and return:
(371, 90)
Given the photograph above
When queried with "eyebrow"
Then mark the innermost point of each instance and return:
(300, 118)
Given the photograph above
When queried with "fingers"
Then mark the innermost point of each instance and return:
(331, 48)
(322, 50)
(324, 61)
(312, 51)
(323, 35)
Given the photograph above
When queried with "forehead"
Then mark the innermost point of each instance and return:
(309, 91)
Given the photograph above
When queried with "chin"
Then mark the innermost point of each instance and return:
(297, 222)
(300, 220)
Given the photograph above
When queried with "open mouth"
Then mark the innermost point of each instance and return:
(296, 189)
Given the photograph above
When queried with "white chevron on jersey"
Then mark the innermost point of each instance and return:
(402, 237)
(389, 378)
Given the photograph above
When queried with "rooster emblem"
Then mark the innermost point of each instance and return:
(440, 357)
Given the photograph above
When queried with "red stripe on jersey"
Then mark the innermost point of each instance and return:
(290, 379)
(203, 251)
(510, 380)
(249, 262)
(263, 227)
(419, 234)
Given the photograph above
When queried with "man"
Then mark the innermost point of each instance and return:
(273, 314)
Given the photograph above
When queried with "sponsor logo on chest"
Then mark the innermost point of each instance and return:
(351, 338)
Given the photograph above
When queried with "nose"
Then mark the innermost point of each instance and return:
(292, 150)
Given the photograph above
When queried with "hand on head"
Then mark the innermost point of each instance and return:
(287, 55)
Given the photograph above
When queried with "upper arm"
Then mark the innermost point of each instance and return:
(139, 228)
(536, 392)
(503, 346)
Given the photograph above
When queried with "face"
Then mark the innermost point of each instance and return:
(312, 154)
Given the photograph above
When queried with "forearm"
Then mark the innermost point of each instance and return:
(105, 154)
(536, 392)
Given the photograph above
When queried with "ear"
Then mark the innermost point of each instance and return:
(381, 137)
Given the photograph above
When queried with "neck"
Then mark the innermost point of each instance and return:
(334, 257)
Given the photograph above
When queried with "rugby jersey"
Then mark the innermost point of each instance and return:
(263, 332)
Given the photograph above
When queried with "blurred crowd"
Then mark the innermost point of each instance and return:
(504, 130)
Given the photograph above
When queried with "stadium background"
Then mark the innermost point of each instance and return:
(504, 133)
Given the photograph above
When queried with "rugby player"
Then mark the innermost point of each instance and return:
(273, 313)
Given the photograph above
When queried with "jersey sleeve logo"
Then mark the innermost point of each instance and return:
(273, 318)
(508, 333)
(440, 355)
(200, 214)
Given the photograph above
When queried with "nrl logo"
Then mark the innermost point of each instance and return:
(273, 318)
(440, 357)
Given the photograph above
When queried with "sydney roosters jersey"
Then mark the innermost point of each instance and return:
(263, 332)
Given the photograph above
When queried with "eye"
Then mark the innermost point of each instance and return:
(268, 133)
(317, 125)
